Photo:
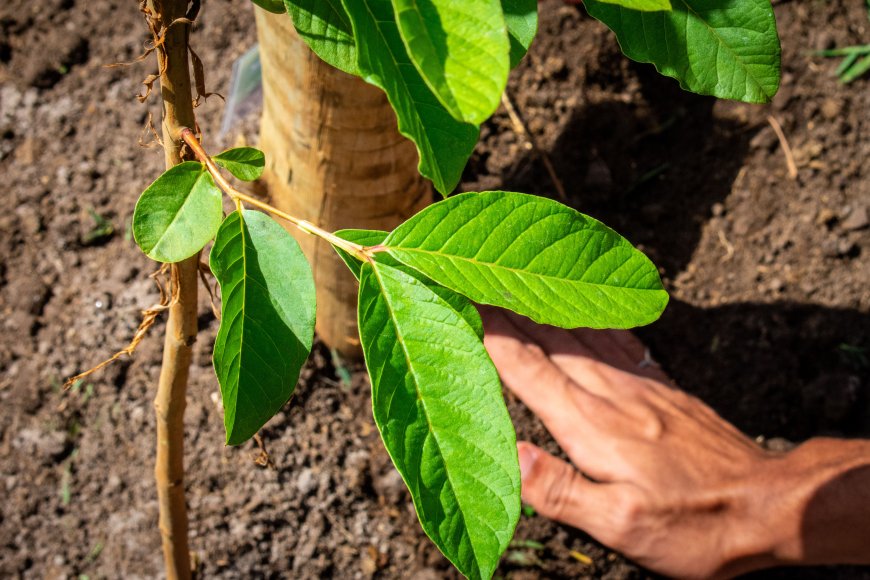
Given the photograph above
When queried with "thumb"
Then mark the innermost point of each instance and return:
(558, 491)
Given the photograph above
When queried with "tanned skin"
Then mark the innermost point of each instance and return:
(657, 475)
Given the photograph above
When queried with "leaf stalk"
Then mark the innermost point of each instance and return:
(358, 251)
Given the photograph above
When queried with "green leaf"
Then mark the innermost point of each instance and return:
(642, 5)
(726, 49)
(534, 256)
(374, 237)
(325, 27)
(245, 163)
(443, 143)
(855, 71)
(521, 17)
(267, 319)
(178, 214)
(438, 404)
(460, 49)
(274, 6)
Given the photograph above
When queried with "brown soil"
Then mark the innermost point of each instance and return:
(769, 320)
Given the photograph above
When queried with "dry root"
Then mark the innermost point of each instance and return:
(149, 317)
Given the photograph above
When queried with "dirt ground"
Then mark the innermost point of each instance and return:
(769, 320)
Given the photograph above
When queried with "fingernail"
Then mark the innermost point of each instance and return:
(528, 457)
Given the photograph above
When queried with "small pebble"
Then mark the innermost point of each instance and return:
(825, 216)
(825, 40)
(831, 108)
(857, 219)
(306, 482)
(845, 247)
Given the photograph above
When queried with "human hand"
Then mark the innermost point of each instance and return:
(656, 473)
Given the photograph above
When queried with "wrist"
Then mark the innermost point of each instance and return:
(763, 529)
(811, 505)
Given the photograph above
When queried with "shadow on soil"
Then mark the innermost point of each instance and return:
(654, 173)
(645, 170)
(778, 370)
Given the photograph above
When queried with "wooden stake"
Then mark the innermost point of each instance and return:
(169, 19)
(334, 158)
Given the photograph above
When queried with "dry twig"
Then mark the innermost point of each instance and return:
(262, 458)
(786, 148)
(521, 129)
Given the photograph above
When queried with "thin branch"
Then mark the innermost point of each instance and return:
(359, 251)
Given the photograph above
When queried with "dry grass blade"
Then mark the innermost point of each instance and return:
(786, 148)
(522, 131)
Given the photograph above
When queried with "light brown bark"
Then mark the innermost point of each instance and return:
(334, 157)
(181, 326)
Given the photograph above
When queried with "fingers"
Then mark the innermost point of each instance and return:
(583, 350)
(581, 421)
(513, 350)
(531, 376)
(558, 491)
(642, 362)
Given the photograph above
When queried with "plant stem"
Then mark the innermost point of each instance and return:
(357, 250)
(181, 326)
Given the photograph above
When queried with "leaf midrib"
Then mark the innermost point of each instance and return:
(460, 105)
(517, 271)
(244, 284)
(736, 57)
(338, 12)
(454, 103)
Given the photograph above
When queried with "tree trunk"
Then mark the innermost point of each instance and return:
(335, 157)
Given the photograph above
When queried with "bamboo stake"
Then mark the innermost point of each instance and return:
(170, 20)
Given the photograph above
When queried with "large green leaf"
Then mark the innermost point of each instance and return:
(534, 256)
(325, 27)
(460, 303)
(443, 143)
(267, 319)
(178, 214)
(245, 163)
(438, 404)
(461, 50)
(727, 49)
(521, 17)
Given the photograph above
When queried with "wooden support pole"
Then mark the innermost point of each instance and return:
(334, 157)
(181, 326)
